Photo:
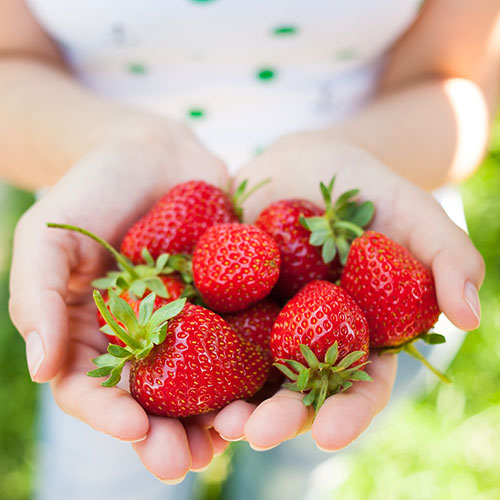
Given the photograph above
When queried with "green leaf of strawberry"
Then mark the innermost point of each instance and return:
(137, 279)
(139, 334)
(322, 379)
(241, 195)
(340, 225)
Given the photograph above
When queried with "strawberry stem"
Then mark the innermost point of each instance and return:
(117, 329)
(241, 195)
(122, 260)
(413, 351)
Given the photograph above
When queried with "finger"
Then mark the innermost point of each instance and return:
(457, 267)
(343, 417)
(230, 421)
(200, 445)
(165, 452)
(38, 286)
(204, 421)
(277, 419)
(220, 445)
(109, 410)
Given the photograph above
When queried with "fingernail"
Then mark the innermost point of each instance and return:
(325, 449)
(257, 448)
(171, 482)
(134, 440)
(231, 440)
(35, 353)
(201, 469)
(472, 298)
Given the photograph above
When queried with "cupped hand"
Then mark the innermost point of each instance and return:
(403, 212)
(51, 300)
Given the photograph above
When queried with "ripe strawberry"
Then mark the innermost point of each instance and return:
(185, 359)
(395, 292)
(300, 261)
(313, 242)
(323, 327)
(176, 222)
(234, 266)
(256, 322)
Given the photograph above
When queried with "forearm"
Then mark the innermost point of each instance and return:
(49, 121)
(431, 132)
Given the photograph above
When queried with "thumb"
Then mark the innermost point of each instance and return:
(38, 285)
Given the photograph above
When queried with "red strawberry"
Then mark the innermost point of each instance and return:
(323, 327)
(256, 322)
(234, 266)
(176, 222)
(393, 289)
(300, 261)
(185, 359)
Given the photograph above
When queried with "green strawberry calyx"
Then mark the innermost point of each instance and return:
(322, 379)
(140, 333)
(137, 279)
(410, 349)
(342, 222)
(242, 194)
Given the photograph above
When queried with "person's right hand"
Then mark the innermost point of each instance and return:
(51, 301)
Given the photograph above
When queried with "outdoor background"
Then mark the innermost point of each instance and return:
(445, 445)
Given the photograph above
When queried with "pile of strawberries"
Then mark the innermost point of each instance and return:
(203, 305)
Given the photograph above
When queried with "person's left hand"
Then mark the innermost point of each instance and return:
(403, 212)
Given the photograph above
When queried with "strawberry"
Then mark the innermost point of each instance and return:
(176, 222)
(185, 359)
(256, 322)
(393, 289)
(300, 261)
(234, 266)
(324, 328)
(313, 242)
(395, 292)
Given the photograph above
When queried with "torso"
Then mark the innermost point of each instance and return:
(241, 73)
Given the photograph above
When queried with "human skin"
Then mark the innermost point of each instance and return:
(417, 128)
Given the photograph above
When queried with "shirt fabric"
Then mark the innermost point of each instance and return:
(241, 73)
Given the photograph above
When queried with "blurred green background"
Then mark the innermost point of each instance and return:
(445, 445)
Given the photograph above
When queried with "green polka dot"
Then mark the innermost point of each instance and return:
(137, 68)
(196, 113)
(285, 30)
(266, 74)
(258, 150)
(202, 1)
(346, 54)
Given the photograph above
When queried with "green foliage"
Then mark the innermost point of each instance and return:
(17, 392)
